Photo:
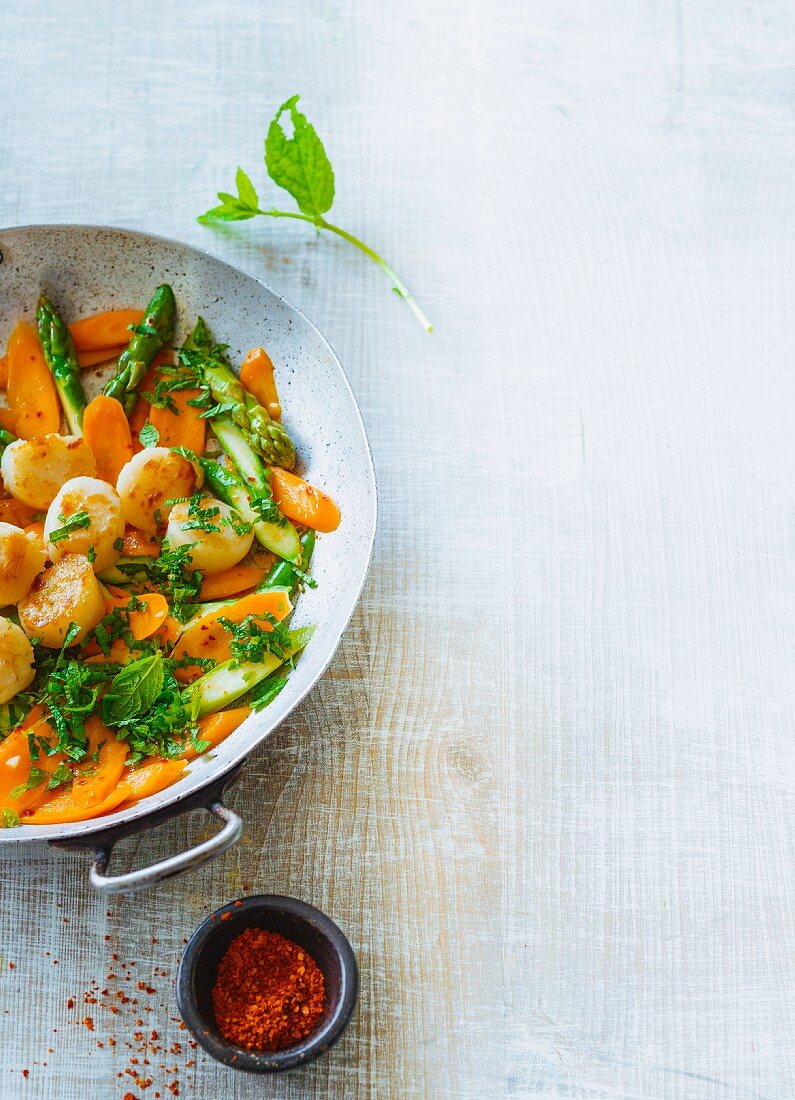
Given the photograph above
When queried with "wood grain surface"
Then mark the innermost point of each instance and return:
(547, 786)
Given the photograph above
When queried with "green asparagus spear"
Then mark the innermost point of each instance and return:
(154, 331)
(61, 358)
(228, 681)
(282, 574)
(267, 437)
(279, 537)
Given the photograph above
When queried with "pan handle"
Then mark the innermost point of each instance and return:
(141, 879)
(168, 868)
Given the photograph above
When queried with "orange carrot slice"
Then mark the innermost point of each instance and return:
(150, 614)
(104, 330)
(92, 783)
(16, 763)
(151, 776)
(215, 728)
(32, 397)
(169, 631)
(107, 432)
(256, 374)
(207, 637)
(88, 359)
(3, 372)
(8, 420)
(302, 502)
(230, 582)
(184, 428)
(14, 511)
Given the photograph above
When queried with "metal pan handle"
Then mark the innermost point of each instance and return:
(141, 879)
(194, 857)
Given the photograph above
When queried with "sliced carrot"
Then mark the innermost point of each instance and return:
(138, 544)
(3, 372)
(14, 511)
(256, 374)
(8, 420)
(92, 784)
(143, 410)
(16, 763)
(140, 413)
(88, 359)
(149, 619)
(104, 330)
(170, 631)
(32, 397)
(302, 502)
(215, 728)
(209, 638)
(184, 428)
(151, 613)
(107, 432)
(119, 654)
(232, 581)
(148, 778)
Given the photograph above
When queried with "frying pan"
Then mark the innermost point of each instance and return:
(86, 269)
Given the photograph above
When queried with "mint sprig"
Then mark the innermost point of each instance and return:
(299, 164)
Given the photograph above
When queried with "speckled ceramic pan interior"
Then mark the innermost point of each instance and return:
(86, 269)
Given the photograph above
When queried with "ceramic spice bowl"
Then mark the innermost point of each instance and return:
(304, 925)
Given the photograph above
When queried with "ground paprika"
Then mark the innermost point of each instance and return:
(269, 993)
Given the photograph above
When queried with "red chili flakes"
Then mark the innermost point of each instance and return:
(88, 1022)
(269, 993)
(70, 1003)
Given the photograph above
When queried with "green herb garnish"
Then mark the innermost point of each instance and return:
(250, 641)
(134, 690)
(35, 776)
(77, 522)
(149, 436)
(299, 164)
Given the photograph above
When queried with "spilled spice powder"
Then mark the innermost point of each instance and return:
(269, 993)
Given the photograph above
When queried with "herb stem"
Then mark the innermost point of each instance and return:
(398, 285)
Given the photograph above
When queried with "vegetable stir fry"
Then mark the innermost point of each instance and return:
(148, 566)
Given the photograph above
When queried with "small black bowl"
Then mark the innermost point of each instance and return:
(303, 924)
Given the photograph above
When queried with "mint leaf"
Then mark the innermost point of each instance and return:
(35, 776)
(74, 523)
(299, 163)
(245, 190)
(134, 690)
(9, 818)
(61, 775)
(230, 210)
(149, 436)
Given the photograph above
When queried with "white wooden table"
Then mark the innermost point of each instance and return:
(547, 785)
